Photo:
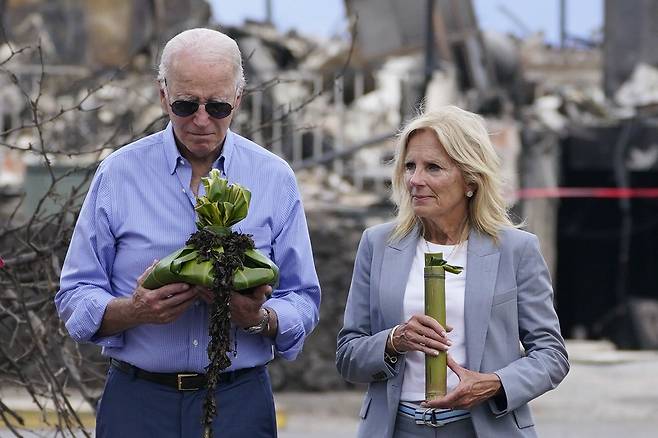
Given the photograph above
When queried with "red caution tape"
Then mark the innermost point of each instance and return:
(587, 192)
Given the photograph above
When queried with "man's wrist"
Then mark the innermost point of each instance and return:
(119, 315)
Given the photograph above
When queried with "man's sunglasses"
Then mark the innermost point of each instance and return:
(217, 110)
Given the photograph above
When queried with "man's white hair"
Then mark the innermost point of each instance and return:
(207, 44)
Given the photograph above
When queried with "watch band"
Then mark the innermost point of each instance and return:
(262, 326)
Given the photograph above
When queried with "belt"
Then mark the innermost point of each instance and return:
(180, 381)
(430, 416)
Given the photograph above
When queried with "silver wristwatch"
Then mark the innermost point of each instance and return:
(262, 326)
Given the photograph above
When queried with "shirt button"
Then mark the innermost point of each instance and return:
(195, 342)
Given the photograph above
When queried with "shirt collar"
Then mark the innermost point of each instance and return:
(224, 161)
(174, 158)
(172, 154)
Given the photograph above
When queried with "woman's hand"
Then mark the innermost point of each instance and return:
(421, 333)
(473, 389)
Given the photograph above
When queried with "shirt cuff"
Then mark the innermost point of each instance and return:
(290, 332)
(87, 318)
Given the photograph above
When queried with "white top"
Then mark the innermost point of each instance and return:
(413, 384)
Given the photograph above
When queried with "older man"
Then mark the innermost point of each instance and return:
(140, 207)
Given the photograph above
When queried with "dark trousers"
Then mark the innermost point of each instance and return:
(135, 408)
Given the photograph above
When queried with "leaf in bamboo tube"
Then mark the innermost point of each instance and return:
(436, 367)
(435, 307)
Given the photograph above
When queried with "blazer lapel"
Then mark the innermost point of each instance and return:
(481, 271)
(396, 264)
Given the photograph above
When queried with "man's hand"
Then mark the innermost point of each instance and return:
(162, 305)
(145, 306)
(205, 294)
(246, 306)
(473, 389)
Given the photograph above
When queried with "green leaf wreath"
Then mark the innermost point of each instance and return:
(221, 260)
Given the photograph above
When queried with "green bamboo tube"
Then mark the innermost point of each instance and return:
(436, 367)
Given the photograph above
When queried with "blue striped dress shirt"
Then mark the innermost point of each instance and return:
(139, 208)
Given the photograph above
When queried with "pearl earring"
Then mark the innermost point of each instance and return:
(469, 194)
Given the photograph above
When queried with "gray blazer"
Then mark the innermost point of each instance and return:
(508, 299)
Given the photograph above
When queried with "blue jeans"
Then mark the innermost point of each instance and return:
(136, 408)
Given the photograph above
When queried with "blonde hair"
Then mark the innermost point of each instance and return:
(207, 44)
(465, 139)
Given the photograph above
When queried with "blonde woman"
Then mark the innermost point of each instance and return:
(447, 189)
